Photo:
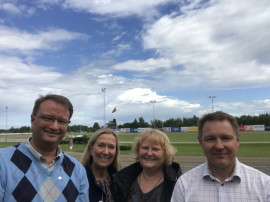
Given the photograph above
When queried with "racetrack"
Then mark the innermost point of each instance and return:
(189, 162)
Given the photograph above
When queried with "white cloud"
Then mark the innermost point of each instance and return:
(12, 39)
(139, 95)
(10, 8)
(116, 7)
(119, 49)
(15, 8)
(119, 36)
(220, 43)
(148, 65)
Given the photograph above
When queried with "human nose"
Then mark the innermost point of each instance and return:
(105, 150)
(219, 145)
(54, 124)
(149, 152)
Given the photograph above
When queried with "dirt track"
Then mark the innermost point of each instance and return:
(188, 162)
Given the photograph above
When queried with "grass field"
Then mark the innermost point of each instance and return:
(252, 143)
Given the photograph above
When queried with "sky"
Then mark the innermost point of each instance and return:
(157, 59)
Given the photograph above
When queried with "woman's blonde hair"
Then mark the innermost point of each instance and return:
(158, 138)
(86, 158)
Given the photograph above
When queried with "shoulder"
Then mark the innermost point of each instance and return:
(71, 162)
(173, 171)
(195, 173)
(133, 168)
(8, 151)
(129, 173)
(112, 170)
(10, 148)
(5, 155)
(250, 172)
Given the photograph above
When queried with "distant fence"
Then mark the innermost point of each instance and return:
(244, 128)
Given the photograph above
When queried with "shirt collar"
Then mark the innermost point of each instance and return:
(236, 175)
(37, 155)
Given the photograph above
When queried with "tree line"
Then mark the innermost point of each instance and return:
(262, 119)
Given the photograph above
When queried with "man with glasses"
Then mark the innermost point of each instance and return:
(38, 170)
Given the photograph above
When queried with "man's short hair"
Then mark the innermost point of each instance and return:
(56, 98)
(218, 116)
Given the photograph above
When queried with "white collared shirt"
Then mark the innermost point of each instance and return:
(246, 184)
(41, 158)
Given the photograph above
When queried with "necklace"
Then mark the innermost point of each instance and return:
(156, 182)
(156, 192)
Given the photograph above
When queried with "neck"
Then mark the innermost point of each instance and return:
(99, 173)
(148, 181)
(152, 173)
(223, 173)
(48, 152)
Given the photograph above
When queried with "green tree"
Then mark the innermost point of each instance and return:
(157, 124)
(134, 124)
(96, 126)
(142, 123)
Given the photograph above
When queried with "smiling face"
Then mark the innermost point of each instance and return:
(46, 133)
(151, 155)
(220, 145)
(103, 151)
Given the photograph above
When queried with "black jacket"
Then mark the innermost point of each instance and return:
(125, 178)
(95, 192)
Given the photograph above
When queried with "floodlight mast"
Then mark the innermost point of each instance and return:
(104, 91)
(6, 121)
(153, 101)
(212, 97)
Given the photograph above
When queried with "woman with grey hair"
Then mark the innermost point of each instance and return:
(101, 161)
(153, 176)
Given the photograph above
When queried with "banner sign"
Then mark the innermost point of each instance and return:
(249, 128)
(167, 129)
(133, 130)
(184, 129)
(258, 128)
(193, 129)
(140, 130)
(175, 129)
(125, 130)
(241, 128)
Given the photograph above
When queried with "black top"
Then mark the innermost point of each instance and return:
(95, 191)
(127, 176)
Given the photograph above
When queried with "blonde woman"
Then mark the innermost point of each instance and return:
(153, 176)
(101, 161)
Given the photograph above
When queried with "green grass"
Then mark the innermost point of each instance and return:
(6, 144)
(186, 149)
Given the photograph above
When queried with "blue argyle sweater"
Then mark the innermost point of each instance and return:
(23, 178)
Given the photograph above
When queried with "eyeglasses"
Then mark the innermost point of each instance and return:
(50, 119)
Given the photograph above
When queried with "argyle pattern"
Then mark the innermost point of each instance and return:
(33, 182)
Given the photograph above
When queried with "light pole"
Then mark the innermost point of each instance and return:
(104, 91)
(212, 97)
(153, 101)
(6, 120)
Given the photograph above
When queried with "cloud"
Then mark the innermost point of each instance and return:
(14, 8)
(12, 39)
(14, 73)
(219, 43)
(148, 65)
(116, 7)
